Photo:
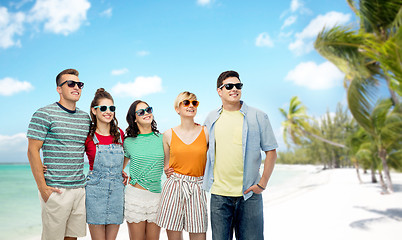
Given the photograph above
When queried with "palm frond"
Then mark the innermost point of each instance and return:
(342, 46)
(361, 98)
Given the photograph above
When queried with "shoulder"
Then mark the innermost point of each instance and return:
(212, 115)
(167, 133)
(253, 111)
(81, 113)
(89, 141)
(46, 109)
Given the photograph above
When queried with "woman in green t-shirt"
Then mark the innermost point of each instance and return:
(143, 148)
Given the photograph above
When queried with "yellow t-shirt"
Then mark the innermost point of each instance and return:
(228, 168)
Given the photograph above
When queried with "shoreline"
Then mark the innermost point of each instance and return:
(330, 204)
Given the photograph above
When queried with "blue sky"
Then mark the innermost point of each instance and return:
(153, 50)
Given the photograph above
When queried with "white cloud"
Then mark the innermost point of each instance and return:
(143, 53)
(107, 13)
(295, 5)
(9, 86)
(203, 2)
(315, 77)
(17, 142)
(140, 87)
(289, 21)
(60, 16)
(11, 24)
(264, 40)
(119, 71)
(304, 40)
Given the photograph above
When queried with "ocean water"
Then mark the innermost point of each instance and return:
(20, 212)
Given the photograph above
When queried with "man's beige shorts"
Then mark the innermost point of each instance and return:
(63, 215)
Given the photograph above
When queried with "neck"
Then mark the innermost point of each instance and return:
(144, 129)
(68, 104)
(229, 106)
(103, 128)
(187, 123)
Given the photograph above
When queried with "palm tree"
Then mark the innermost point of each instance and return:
(297, 124)
(369, 54)
(386, 123)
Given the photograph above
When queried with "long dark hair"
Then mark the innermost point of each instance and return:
(114, 129)
(132, 129)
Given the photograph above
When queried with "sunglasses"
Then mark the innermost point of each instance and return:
(229, 86)
(103, 108)
(141, 112)
(186, 103)
(71, 84)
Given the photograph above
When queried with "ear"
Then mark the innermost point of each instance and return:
(58, 89)
(177, 110)
(93, 110)
(219, 92)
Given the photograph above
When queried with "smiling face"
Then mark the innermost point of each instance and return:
(68, 94)
(146, 119)
(187, 111)
(231, 96)
(103, 117)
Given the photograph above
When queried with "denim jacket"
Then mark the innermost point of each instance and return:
(257, 135)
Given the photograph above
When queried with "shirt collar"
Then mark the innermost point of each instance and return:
(243, 108)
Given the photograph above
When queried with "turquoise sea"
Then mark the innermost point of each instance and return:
(20, 213)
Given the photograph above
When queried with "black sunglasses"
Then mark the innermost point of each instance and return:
(71, 84)
(229, 86)
(141, 112)
(103, 108)
(186, 103)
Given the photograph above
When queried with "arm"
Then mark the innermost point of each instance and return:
(123, 173)
(269, 164)
(167, 137)
(34, 147)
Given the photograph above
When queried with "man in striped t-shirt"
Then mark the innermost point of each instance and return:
(60, 130)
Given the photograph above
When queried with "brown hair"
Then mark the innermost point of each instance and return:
(132, 129)
(114, 129)
(223, 76)
(67, 71)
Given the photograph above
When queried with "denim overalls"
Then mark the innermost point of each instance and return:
(105, 188)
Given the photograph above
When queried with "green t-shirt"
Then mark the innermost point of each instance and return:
(146, 160)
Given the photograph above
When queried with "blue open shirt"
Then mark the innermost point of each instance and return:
(257, 135)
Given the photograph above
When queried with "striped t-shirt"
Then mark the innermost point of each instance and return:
(63, 133)
(146, 160)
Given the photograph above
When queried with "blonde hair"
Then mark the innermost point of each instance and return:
(184, 96)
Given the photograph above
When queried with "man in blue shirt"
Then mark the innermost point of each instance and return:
(237, 135)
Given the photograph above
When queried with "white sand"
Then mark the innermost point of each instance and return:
(328, 204)
(331, 204)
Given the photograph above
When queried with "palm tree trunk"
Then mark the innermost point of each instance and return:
(356, 163)
(384, 187)
(323, 139)
(383, 156)
(373, 177)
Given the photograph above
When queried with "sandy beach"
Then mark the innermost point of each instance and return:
(327, 204)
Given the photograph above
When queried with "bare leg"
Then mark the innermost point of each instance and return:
(136, 231)
(97, 231)
(174, 235)
(197, 236)
(152, 231)
(111, 231)
(70, 238)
